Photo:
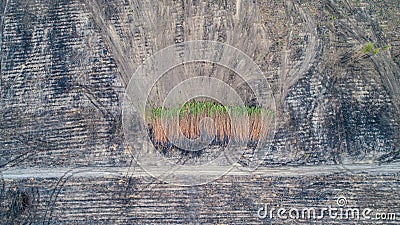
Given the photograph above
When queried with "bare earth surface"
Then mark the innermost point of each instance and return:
(65, 65)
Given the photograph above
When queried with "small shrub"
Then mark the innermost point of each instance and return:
(368, 48)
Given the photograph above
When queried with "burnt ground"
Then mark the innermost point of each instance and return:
(65, 65)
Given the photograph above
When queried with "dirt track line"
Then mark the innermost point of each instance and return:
(26, 173)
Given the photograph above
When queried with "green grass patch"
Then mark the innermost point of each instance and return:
(206, 108)
(369, 48)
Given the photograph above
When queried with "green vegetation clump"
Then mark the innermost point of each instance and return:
(207, 108)
(386, 47)
(369, 48)
(247, 123)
